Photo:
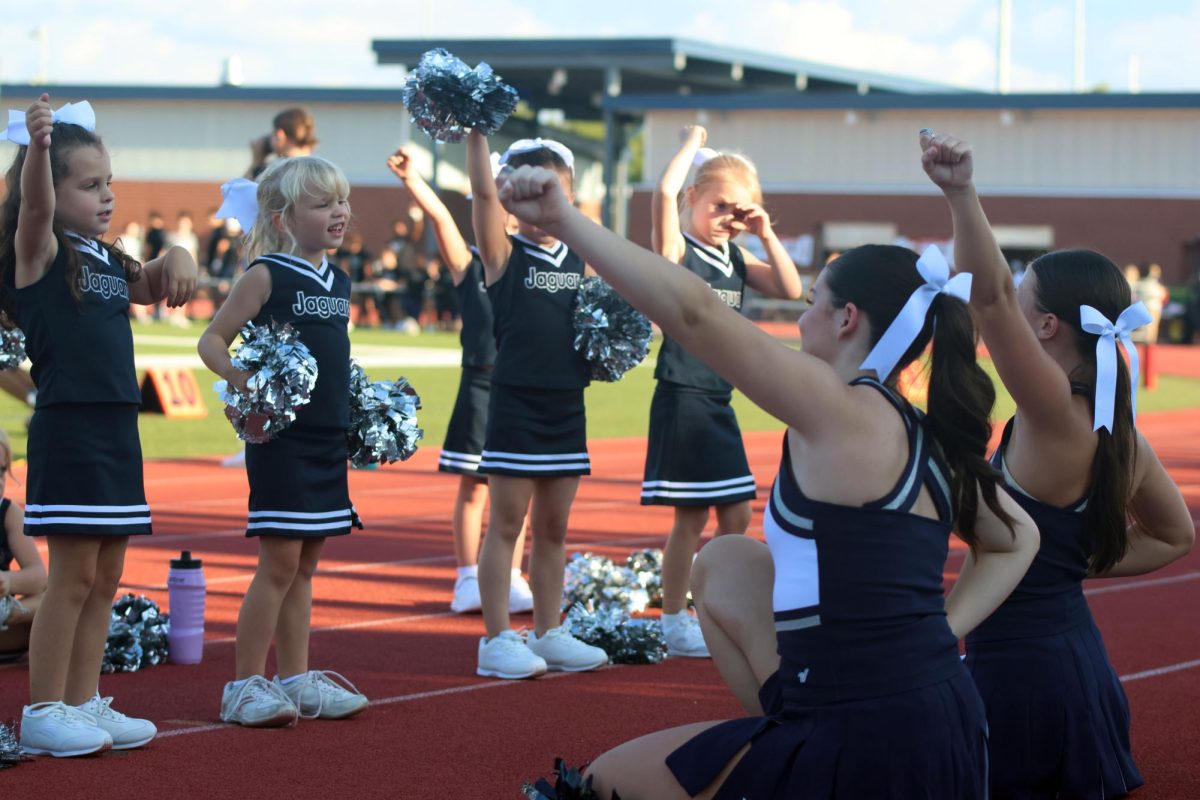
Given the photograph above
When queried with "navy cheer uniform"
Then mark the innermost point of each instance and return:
(695, 455)
(85, 457)
(871, 699)
(298, 483)
(463, 447)
(6, 553)
(536, 424)
(1058, 717)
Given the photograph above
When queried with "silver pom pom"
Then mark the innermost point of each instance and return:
(12, 348)
(10, 746)
(447, 98)
(284, 374)
(625, 639)
(611, 334)
(137, 635)
(383, 419)
(596, 582)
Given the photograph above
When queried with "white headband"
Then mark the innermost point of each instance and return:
(1108, 332)
(908, 323)
(705, 154)
(529, 145)
(240, 202)
(80, 114)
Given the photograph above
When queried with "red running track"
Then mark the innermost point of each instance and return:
(435, 729)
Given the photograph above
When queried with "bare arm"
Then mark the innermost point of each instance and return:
(245, 301)
(451, 245)
(666, 235)
(34, 242)
(802, 391)
(778, 276)
(487, 215)
(1032, 377)
(31, 577)
(1162, 529)
(171, 277)
(996, 566)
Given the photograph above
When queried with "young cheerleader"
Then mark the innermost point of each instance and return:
(468, 422)
(21, 589)
(1072, 458)
(695, 458)
(70, 293)
(536, 443)
(856, 682)
(298, 482)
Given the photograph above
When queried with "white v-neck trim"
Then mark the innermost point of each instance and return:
(554, 256)
(86, 245)
(323, 274)
(719, 258)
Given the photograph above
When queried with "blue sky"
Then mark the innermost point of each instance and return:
(323, 43)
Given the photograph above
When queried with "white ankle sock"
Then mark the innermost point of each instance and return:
(469, 572)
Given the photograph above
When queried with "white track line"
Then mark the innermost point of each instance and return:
(1154, 673)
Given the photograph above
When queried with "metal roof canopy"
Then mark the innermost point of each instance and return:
(764, 101)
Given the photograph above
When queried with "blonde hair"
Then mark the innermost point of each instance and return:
(6, 446)
(724, 166)
(280, 187)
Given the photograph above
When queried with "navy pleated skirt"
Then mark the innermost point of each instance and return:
(298, 485)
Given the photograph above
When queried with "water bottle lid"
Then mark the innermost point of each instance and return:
(185, 561)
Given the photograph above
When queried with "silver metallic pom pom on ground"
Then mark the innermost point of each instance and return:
(596, 582)
(447, 98)
(625, 639)
(10, 746)
(284, 374)
(383, 419)
(137, 635)
(12, 348)
(612, 335)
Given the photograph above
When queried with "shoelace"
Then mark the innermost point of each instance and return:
(259, 688)
(104, 710)
(71, 715)
(324, 684)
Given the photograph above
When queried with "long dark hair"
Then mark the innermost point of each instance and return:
(64, 139)
(1067, 279)
(879, 279)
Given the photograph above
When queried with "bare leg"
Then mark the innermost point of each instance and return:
(91, 634)
(16, 382)
(678, 555)
(732, 582)
(70, 580)
(637, 769)
(549, 515)
(295, 614)
(278, 562)
(733, 518)
(510, 498)
(467, 521)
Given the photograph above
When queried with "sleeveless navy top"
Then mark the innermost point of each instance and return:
(6, 553)
(316, 301)
(858, 597)
(81, 349)
(1049, 599)
(724, 270)
(478, 337)
(532, 303)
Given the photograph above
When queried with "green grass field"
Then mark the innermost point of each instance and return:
(614, 410)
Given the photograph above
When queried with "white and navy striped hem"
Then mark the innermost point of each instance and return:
(698, 490)
(534, 464)
(300, 521)
(39, 517)
(467, 462)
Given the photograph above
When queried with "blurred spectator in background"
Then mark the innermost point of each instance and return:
(293, 133)
(357, 263)
(1151, 292)
(156, 237)
(441, 299)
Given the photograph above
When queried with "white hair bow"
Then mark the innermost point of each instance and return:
(240, 202)
(529, 145)
(908, 323)
(1128, 321)
(704, 154)
(80, 114)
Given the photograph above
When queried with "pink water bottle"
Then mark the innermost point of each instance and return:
(185, 584)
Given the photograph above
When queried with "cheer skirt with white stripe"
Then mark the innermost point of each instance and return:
(85, 472)
(465, 435)
(535, 433)
(298, 485)
(695, 455)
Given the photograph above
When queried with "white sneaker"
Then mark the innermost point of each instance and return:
(564, 653)
(57, 729)
(238, 459)
(520, 598)
(126, 732)
(257, 703)
(508, 656)
(683, 636)
(466, 595)
(318, 696)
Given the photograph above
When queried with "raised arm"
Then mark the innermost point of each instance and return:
(994, 568)
(1031, 376)
(451, 245)
(802, 391)
(487, 215)
(35, 246)
(666, 236)
(777, 276)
